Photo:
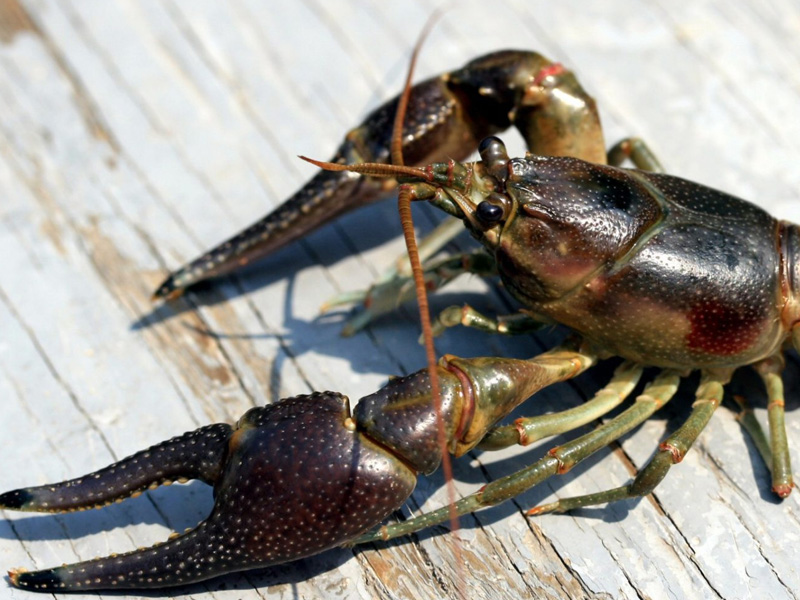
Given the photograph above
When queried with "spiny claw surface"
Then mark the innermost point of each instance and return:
(292, 479)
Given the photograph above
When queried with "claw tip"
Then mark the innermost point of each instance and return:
(167, 291)
(35, 580)
(15, 500)
(13, 575)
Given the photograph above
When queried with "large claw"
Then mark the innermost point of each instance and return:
(446, 118)
(290, 480)
(298, 477)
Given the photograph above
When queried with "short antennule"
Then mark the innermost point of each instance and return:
(374, 169)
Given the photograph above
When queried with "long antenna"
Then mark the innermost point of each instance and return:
(404, 199)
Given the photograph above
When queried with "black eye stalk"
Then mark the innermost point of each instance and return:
(495, 160)
(488, 212)
(494, 209)
(494, 156)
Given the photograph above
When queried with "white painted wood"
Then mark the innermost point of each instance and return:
(134, 135)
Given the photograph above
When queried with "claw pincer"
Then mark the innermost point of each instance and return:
(290, 480)
(293, 478)
(446, 118)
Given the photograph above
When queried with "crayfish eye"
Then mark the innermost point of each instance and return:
(488, 212)
(494, 209)
(494, 156)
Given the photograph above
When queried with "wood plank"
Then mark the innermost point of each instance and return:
(137, 134)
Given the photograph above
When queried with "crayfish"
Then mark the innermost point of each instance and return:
(638, 264)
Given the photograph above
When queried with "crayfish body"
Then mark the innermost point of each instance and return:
(660, 271)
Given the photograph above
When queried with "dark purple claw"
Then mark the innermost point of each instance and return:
(291, 480)
(445, 118)
(198, 454)
(321, 200)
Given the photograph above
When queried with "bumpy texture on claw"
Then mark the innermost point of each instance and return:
(195, 455)
(292, 479)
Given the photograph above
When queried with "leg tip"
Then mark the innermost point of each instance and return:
(783, 489)
(167, 291)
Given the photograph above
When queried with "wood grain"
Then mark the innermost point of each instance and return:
(134, 135)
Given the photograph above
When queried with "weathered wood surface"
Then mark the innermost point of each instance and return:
(134, 135)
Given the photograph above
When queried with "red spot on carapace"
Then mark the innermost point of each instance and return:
(722, 329)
